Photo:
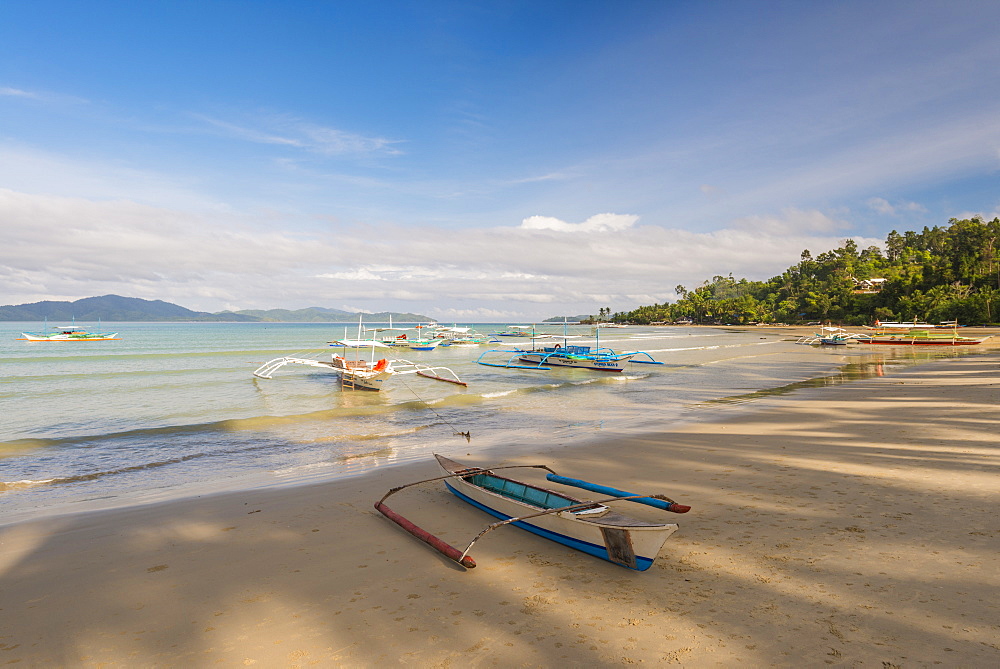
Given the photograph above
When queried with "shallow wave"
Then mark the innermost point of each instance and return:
(23, 485)
(499, 393)
(93, 476)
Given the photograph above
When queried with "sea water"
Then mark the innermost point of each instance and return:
(173, 409)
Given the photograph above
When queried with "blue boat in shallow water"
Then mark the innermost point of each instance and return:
(588, 526)
(568, 355)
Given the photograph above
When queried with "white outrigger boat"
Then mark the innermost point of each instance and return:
(833, 336)
(515, 331)
(358, 374)
(588, 526)
(362, 374)
(69, 333)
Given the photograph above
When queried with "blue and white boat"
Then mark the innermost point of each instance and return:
(582, 357)
(588, 526)
(567, 355)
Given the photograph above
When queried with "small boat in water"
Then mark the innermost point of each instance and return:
(69, 333)
(834, 336)
(515, 331)
(424, 344)
(894, 337)
(362, 374)
(588, 526)
(583, 357)
(567, 355)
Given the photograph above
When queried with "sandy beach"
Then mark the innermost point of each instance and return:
(850, 525)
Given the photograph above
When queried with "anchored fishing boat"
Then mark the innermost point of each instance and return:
(588, 526)
(583, 357)
(895, 337)
(424, 344)
(515, 331)
(459, 336)
(69, 333)
(362, 374)
(567, 355)
(833, 336)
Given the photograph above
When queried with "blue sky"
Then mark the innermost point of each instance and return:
(477, 161)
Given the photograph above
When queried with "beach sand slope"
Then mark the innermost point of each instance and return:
(846, 526)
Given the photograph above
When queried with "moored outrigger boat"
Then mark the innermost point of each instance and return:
(69, 333)
(588, 526)
(908, 336)
(834, 336)
(363, 374)
(360, 374)
(922, 338)
(567, 355)
(515, 331)
(584, 357)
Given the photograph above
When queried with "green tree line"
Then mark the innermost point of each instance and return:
(939, 274)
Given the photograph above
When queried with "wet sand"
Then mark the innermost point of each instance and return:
(851, 525)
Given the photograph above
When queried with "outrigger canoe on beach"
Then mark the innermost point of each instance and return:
(588, 526)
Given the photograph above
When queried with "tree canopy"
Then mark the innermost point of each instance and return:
(938, 274)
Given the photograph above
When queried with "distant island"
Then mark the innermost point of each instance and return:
(116, 308)
(569, 319)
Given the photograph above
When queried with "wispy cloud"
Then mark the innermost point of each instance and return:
(41, 96)
(31, 170)
(597, 223)
(882, 206)
(17, 93)
(291, 131)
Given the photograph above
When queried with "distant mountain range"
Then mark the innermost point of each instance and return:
(117, 308)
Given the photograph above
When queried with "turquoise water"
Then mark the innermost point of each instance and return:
(172, 409)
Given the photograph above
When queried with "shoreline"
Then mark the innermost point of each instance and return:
(359, 464)
(844, 525)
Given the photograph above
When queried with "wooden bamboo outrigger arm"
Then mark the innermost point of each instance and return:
(471, 471)
(656, 501)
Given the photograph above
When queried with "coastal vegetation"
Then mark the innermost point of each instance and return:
(942, 273)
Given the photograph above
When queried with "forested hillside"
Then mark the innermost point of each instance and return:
(939, 274)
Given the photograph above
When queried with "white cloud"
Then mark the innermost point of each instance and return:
(791, 222)
(30, 170)
(883, 206)
(67, 248)
(41, 96)
(17, 93)
(290, 131)
(359, 274)
(596, 223)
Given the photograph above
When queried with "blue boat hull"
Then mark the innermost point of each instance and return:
(642, 563)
